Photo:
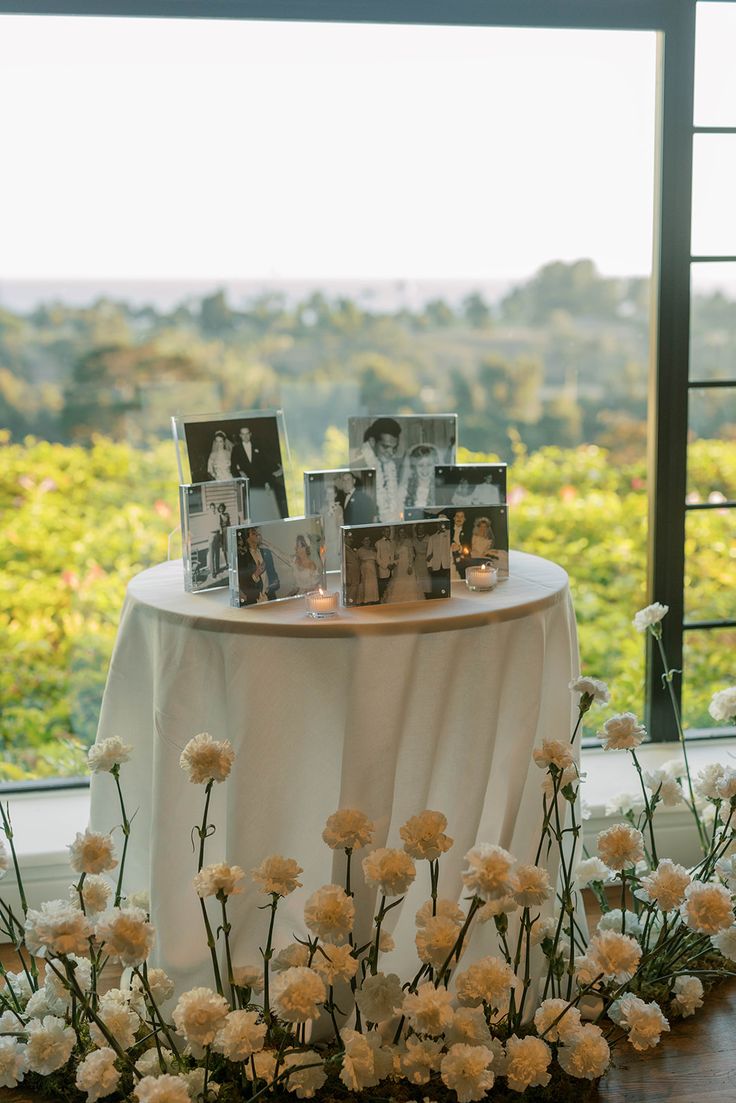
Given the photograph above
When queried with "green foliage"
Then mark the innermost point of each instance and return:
(78, 523)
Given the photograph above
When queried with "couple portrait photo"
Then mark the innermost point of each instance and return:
(238, 446)
(385, 565)
(477, 534)
(341, 497)
(276, 560)
(404, 450)
(470, 484)
(207, 512)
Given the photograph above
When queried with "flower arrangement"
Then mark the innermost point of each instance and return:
(321, 1017)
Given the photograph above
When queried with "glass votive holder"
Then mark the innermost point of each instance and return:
(483, 577)
(321, 604)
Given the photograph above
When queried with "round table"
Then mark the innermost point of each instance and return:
(390, 709)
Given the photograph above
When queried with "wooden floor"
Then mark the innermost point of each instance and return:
(695, 1063)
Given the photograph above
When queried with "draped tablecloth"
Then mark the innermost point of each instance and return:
(390, 709)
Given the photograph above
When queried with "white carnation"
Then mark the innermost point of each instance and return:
(277, 875)
(149, 1064)
(57, 988)
(489, 873)
(532, 886)
(424, 836)
(688, 995)
(658, 781)
(162, 1089)
(593, 688)
(251, 976)
(13, 1062)
(726, 870)
(97, 1075)
(469, 1027)
(265, 1066)
(380, 997)
(293, 954)
(644, 1022)
(218, 879)
(649, 616)
(58, 927)
(204, 759)
(127, 935)
(348, 829)
(725, 942)
(19, 985)
(50, 1044)
(329, 913)
(544, 928)
(557, 1020)
(527, 1063)
(139, 899)
(707, 908)
(723, 705)
(429, 1009)
(620, 846)
(622, 732)
(623, 803)
(364, 1062)
(91, 852)
(108, 753)
(297, 994)
(614, 920)
(465, 1071)
(120, 1021)
(420, 1059)
(615, 955)
(666, 885)
(305, 1083)
(335, 963)
(161, 985)
(448, 909)
(587, 1055)
(5, 859)
(707, 781)
(391, 871)
(489, 981)
(505, 905)
(240, 1036)
(436, 939)
(553, 752)
(726, 785)
(590, 871)
(199, 1014)
(96, 893)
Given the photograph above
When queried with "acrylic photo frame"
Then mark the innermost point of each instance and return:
(470, 484)
(395, 564)
(341, 496)
(284, 560)
(248, 444)
(207, 510)
(477, 534)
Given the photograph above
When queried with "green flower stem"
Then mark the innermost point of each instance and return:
(202, 831)
(331, 1009)
(373, 957)
(267, 955)
(434, 879)
(572, 1003)
(456, 950)
(211, 942)
(351, 939)
(115, 771)
(648, 808)
(142, 973)
(226, 933)
(8, 830)
(78, 889)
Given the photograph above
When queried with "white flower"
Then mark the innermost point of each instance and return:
(688, 993)
(392, 871)
(503, 906)
(725, 942)
(108, 753)
(532, 885)
(668, 788)
(587, 1055)
(92, 852)
(162, 1089)
(50, 1044)
(587, 970)
(56, 987)
(489, 873)
(278, 875)
(5, 859)
(335, 962)
(19, 985)
(204, 759)
(707, 781)
(622, 732)
(620, 846)
(120, 1021)
(469, 1027)
(616, 955)
(465, 1071)
(723, 705)
(489, 981)
(429, 1009)
(348, 829)
(621, 804)
(707, 908)
(436, 939)
(644, 1021)
(590, 871)
(329, 913)
(424, 836)
(593, 688)
(251, 976)
(139, 899)
(629, 923)
(380, 997)
(38, 1005)
(726, 870)
(448, 909)
(553, 752)
(219, 878)
(544, 928)
(297, 993)
(293, 954)
(385, 942)
(58, 927)
(13, 1062)
(666, 885)
(194, 1081)
(97, 1075)
(161, 985)
(127, 935)
(265, 1066)
(305, 1084)
(649, 616)
(96, 893)
(240, 1036)
(726, 785)
(364, 1063)
(420, 1059)
(528, 1060)
(148, 1064)
(557, 1021)
(199, 1014)
(11, 1022)
(569, 777)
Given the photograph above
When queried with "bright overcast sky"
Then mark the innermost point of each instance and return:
(181, 149)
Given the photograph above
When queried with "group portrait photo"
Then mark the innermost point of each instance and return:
(470, 484)
(341, 496)
(388, 564)
(276, 560)
(478, 534)
(247, 445)
(207, 512)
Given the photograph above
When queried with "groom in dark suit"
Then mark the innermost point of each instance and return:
(250, 461)
(257, 576)
(358, 507)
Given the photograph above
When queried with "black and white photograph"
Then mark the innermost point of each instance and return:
(276, 560)
(470, 484)
(388, 564)
(478, 534)
(404, 450)
(247, 445)
(341, 497)
(207, 512)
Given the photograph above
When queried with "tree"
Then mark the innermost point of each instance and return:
(476, 311)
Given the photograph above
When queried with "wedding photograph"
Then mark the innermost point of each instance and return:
(404, 450)
(207, 511)
(276, 560)
(470, 484)
(341, 497)
(478, 534)
(388, 564)
(247, 445)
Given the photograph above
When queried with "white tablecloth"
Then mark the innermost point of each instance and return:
(387, 709)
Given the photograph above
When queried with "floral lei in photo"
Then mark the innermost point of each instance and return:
(489, 1030)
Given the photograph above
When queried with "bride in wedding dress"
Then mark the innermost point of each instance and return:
(404, 585)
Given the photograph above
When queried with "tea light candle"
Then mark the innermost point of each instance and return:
(321, 604)
(483, 577)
